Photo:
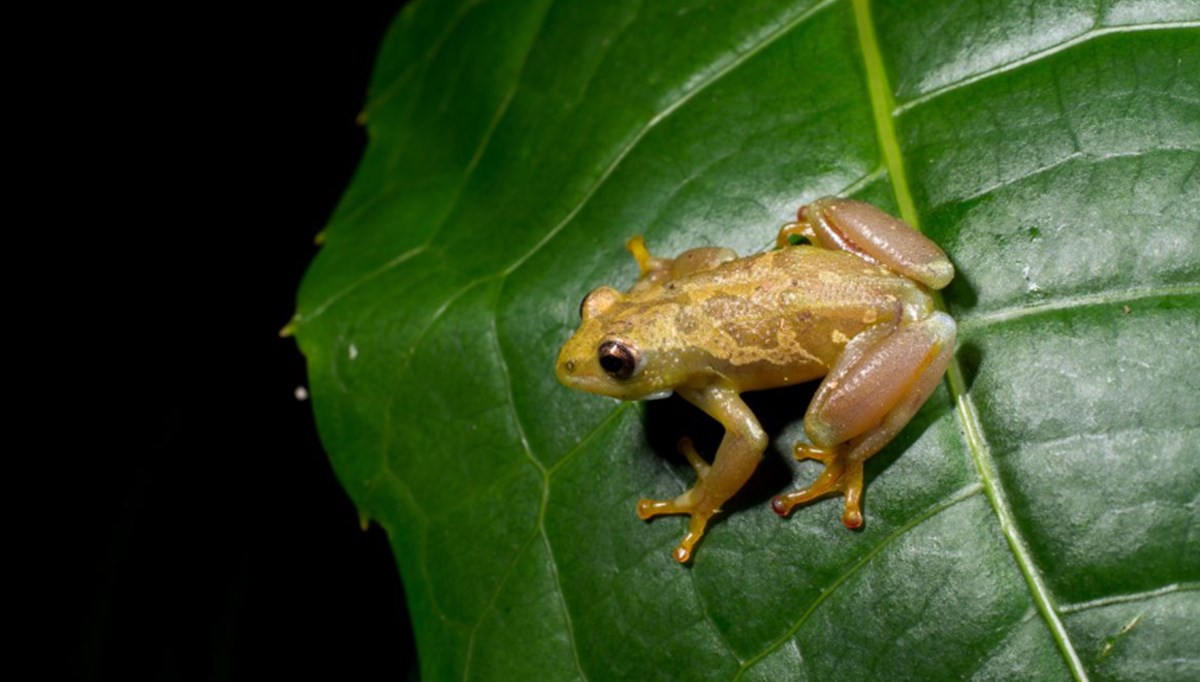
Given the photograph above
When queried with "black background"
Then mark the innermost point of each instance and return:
(204, 532)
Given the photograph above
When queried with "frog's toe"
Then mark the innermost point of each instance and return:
(687, 449)
(684, 504)
(648, 509)
(683, 553)
(803, 451)
(687, 502)
(841, 476)
(852, 487)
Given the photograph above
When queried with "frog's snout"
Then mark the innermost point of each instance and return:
(574, 371)
(567, 368)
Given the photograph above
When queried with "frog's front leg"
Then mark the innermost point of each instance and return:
(883, 377)
(740, 452)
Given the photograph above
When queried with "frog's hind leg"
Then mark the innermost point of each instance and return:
(871, 394)
(871, 234)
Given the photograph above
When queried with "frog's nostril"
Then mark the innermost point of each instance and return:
(569, 365)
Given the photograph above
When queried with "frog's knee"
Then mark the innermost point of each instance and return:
(756, 441)
(941, 328)
(700, 259)
(821, 432)
(860, 228)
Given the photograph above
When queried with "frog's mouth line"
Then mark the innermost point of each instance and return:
(570, 374)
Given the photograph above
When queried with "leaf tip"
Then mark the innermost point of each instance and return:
(290, 328)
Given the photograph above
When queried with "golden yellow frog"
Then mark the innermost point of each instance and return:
(853, 307)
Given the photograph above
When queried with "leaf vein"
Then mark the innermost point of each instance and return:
(622, 153)
(992, 318)
(884, 109)
(540, 526)
(929, 513)
(708, 617)
(338, 295)
(618, 410)
(1080, 39)
(562, 595)
(493, 124)
(392, 88)
(985, 466)
(375, 102)
(666, 112)
(512, 403)
(422, 552)
(1130, 598)
(491, 602)
(480, 149)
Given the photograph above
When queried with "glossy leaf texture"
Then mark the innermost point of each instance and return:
(1037, 520)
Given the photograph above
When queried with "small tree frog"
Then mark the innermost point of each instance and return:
(852, 306)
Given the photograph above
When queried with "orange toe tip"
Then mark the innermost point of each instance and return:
(682, 555)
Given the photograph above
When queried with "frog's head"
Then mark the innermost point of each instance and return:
(610, 354)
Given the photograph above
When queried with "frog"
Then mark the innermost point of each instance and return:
(844, 296)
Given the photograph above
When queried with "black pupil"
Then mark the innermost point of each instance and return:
(613, 364)
(616, 359)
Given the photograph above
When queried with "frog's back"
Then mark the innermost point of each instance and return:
(784, 316)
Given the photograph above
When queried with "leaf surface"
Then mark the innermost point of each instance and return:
(1037, 519)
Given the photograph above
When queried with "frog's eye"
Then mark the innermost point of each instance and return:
(618, 359)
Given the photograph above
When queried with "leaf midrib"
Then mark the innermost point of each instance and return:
(883, 109)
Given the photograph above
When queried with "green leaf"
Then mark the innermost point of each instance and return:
(1039, 517)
